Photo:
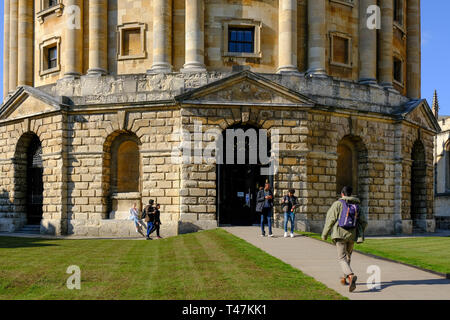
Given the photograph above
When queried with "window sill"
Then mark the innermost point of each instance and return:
(133, 57)
(242, 54)
(400, 84)
(342, 65)
(49, 71)
(399, 27)
(57, 9)
(345, 3)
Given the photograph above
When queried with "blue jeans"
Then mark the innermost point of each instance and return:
(267, 212)
(150, 228)
(289, 216)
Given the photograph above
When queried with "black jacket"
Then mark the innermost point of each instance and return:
(288, 206)
(260, 200)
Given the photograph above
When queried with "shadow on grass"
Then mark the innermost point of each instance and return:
(428, 282)
(15, 242)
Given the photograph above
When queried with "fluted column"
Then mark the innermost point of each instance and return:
(98, 37)
(367, 46)
(162, 36)
(287, 36)
(25, 43)
(73, 44)
(13, 45)
(6, 52)
(386, 59)
(317, 37)
(413, 44)
(195, 36)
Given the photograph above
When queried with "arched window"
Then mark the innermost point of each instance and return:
(125, 164)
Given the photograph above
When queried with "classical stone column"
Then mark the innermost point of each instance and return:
(367, 46)
(386, 59)
(195, 36)
(98, 37)
(6, 52)
(13, 44)
(162, 36)
(317, 37)
(73, 42)
(25, 43)
(413, 44)
(287, 36)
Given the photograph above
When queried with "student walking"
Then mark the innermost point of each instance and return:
(346, 224)
(157, 221)
(149, 217)
(264, 205)
(289, 205)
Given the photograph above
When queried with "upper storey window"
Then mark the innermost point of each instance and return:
(49, 7)
(131, 41)
(52, 57)
(49, 52)
(341, 48)
(398, 12)
(241, 40)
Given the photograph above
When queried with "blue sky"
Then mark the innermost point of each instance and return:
(435, 51)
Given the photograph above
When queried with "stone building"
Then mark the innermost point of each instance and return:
(442, 169)
(96, 90)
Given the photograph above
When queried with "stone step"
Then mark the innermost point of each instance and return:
(30, 229)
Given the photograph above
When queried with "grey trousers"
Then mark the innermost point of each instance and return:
(344, 251)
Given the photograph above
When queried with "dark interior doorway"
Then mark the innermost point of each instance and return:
(238, 184)
(418, 184)
(35, 186)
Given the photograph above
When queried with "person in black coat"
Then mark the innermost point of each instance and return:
(264, 205)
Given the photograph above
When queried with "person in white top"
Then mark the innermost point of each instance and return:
(134, 216)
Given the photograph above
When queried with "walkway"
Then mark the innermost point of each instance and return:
(318, 260)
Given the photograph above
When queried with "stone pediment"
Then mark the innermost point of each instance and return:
(419, 113)
(27, 101)
(245, 88)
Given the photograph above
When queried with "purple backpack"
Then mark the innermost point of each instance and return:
(349, 215)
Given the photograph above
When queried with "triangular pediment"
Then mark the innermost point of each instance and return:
(27, 101)
(245, 88)
(419, 113)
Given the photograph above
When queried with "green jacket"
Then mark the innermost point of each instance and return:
(332, 223)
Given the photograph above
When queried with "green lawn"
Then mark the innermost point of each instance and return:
(205, 265)
(431, 253)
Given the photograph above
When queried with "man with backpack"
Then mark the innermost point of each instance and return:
(149, 217)
(264, 205)
(346, 223)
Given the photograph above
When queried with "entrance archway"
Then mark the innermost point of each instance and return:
(238, 181)
(28, 177)
(418, 184)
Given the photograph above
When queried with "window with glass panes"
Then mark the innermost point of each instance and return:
(52, 57)
(241, 40)
(52, 3)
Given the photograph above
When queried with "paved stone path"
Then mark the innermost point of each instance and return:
(318, 260)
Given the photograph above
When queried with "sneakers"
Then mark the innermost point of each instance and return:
(263, 235)
(352, 279)
(270, 235)
(285, 234)
(344, 281)
(292, 235)
(148, 238)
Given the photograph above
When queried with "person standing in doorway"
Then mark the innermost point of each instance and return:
(345, 221)
(289, 205)
(264, 205)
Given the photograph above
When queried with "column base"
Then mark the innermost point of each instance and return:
(160, 68)
(288, 69)
(316, 73)
(193, 67)
(72, 75)
(368, 81)
(97, 71)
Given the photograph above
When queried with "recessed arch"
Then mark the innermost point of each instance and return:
(418, 184)
(28, 179)
(121, 171)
